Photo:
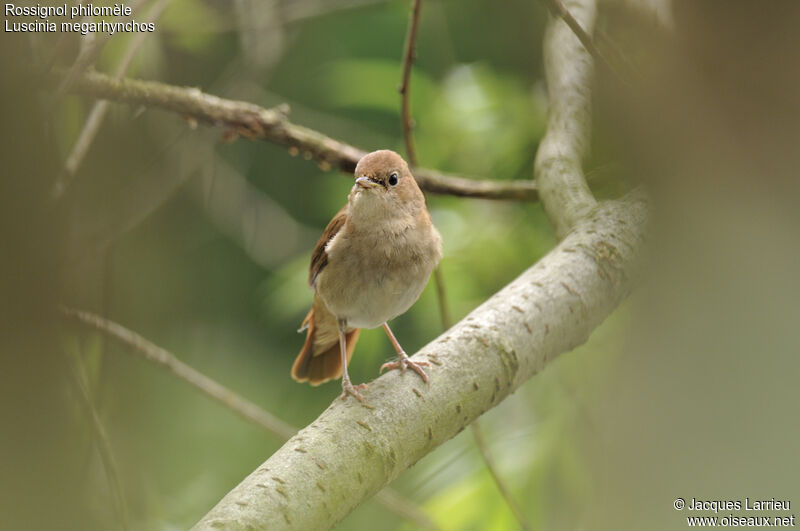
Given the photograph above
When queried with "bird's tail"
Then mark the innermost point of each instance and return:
(320, 359)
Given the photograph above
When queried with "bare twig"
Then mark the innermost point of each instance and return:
(504, 491)
(89, 54)
(441, 295)
(559, 10)
(391, 500)
(408, 58)
(198, 380)
(140, 346)
(101, 439)
(99, 110)
(409, 54)
(251, 121)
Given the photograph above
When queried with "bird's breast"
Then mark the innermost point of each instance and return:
(373, 276)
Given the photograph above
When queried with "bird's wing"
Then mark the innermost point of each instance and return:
(319, 258)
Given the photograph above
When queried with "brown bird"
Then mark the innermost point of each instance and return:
(370, 265)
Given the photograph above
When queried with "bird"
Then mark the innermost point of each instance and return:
(370, 265)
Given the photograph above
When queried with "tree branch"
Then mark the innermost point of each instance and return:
(196, 379)
(505, 492)
(558, 167)
(350, 452)
(558, 10)
(103, 445)
(89, 53)
(99, 110)
(409, 54)
(405, 88)
(249, 120)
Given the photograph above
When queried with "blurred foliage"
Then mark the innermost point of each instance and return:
(143, 251)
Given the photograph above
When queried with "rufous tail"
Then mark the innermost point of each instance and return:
(320, 360)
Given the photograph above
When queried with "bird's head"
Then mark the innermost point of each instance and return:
(384, 186)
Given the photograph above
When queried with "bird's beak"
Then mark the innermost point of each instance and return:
(366, 182)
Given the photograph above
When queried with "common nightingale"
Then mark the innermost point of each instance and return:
(369, 266)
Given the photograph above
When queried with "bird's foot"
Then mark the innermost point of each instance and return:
(353, 390)
(404, 362)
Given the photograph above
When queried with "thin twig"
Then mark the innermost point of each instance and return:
(101, 439)
(558, 10)
(409, 54)
(198, 380)
(140, 346)
(252, 121)
(504, 491)
(441, 295)
(99, 110)
(392, 501)
(89, 54)
(408, 58)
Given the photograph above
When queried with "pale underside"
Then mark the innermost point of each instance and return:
(368, 289)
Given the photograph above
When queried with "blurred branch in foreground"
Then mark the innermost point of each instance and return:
(140, 346)
(254, 122)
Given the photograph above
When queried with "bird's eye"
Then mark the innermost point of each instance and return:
(393, 179)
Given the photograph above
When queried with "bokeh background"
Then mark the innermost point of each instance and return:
(202, 246)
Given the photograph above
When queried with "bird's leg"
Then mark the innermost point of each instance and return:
(347, 387)
(403, 361)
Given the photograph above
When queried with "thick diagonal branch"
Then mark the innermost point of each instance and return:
(252, 121)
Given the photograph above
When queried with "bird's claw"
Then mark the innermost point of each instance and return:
(404, 362)
(350, 389)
